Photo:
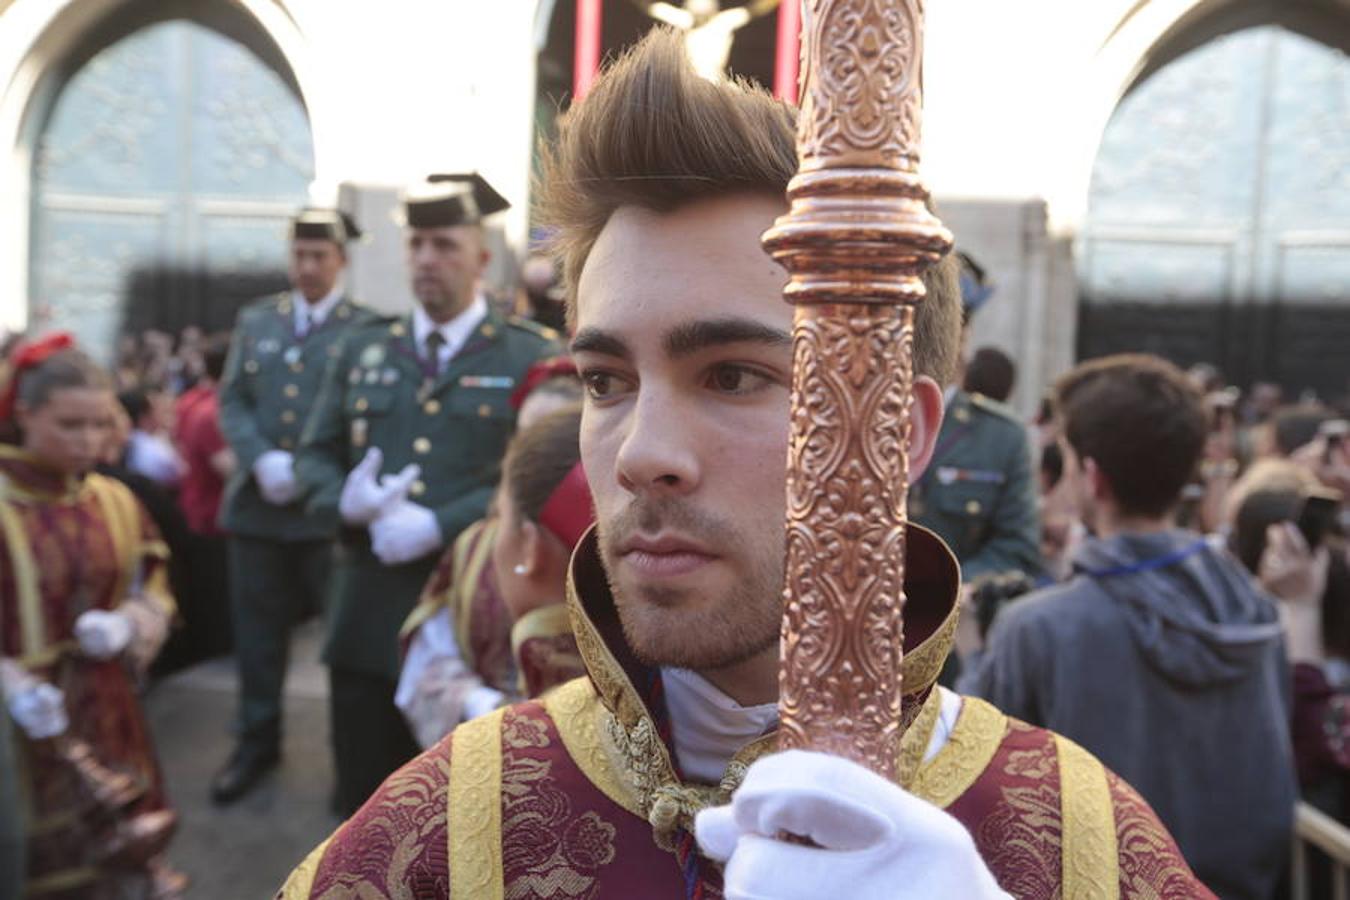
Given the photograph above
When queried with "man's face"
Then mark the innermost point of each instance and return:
(446, 264)
(315, 266)
(684, 344)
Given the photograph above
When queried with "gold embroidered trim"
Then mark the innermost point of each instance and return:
(1090, 862)
(474, 813)
(916, 737)
(123, 521)
(468, 575)
(25, 578)
(973, 742)
(576, 711)
(300, 884)
(544, 622)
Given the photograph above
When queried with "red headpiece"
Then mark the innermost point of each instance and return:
(568, 511)
(25, 356)
(537, 374)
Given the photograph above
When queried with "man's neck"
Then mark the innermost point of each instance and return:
(751, 682)
(1112, 522)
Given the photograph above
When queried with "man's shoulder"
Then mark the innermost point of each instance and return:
(1050, 606)
(529, 338)
(1030, 784)
(260, 308)
(995, 418)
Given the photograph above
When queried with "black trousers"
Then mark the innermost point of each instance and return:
(370, 737)
(273, 585)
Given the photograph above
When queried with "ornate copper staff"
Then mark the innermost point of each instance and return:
(855, 241)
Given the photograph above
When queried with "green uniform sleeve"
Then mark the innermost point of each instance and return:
(238, 415)
(462, 512)
(321, 460)
(1014, 541)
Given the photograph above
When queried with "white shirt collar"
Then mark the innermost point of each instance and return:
(709, 727)
(317, 312)
(455, 332)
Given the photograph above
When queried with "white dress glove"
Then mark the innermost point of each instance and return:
(872, 836)
(275, 473)
(103, 633)
(404, 533)
(365, 498)
(35, 706)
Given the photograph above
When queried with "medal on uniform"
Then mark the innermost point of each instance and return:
(372, 356)
(291, 356)
(354, 377)
(269, 345)
(389, 377)
(360, 432)
(373, 376)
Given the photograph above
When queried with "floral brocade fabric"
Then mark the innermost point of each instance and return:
(563, 836)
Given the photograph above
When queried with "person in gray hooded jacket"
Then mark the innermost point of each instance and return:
(1160, 655)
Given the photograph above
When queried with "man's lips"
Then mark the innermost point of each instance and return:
(664, 556)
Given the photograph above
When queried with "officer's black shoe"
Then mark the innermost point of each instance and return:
(245, 769)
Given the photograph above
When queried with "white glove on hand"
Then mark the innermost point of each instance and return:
(275, 473)
(873, 836)
(405, 533)
(37, 707)
(364, 499)
(103, 633)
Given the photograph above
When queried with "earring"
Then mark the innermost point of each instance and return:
(519, 569)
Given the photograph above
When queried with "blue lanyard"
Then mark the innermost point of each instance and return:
(1150, 565)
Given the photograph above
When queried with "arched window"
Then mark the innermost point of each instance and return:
(1218, 226)
(163, 175)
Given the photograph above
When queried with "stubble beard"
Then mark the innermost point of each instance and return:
(664, 626)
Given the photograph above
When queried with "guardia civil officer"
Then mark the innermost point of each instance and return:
(280, 555)
(978, 493)
(404, 444)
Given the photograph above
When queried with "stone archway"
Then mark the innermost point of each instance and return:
(44, 43)
(1215, 223)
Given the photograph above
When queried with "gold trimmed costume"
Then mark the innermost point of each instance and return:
(576, 794)
(94, 799)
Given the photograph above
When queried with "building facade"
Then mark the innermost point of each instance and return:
(1036, 113)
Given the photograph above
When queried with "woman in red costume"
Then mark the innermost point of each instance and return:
(84, 607)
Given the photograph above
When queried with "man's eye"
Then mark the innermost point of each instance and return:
(601, 385)
(731, 379)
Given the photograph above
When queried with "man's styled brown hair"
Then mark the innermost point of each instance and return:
(655, 135)
(1143, 421)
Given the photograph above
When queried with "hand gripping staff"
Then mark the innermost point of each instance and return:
(855, 242)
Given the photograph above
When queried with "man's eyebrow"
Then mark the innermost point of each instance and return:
(593, 340)
(691, 337)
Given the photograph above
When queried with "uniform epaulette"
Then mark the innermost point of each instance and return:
(992, 406)
(540, 331)
(268, 303)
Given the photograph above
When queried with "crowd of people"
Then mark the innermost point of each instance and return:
(550, 573)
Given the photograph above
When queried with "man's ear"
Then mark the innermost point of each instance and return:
(1098, 484)
(925, 420)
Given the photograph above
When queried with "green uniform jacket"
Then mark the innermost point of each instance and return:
(271, 381)
(977, 492)
(456, 428)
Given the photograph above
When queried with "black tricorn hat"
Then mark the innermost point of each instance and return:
(321, 224)
(445, 200)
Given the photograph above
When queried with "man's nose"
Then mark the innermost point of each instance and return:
(659, 451)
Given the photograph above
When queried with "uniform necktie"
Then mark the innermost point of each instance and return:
(435, 341)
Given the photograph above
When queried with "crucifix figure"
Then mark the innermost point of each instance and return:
(708, 29)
